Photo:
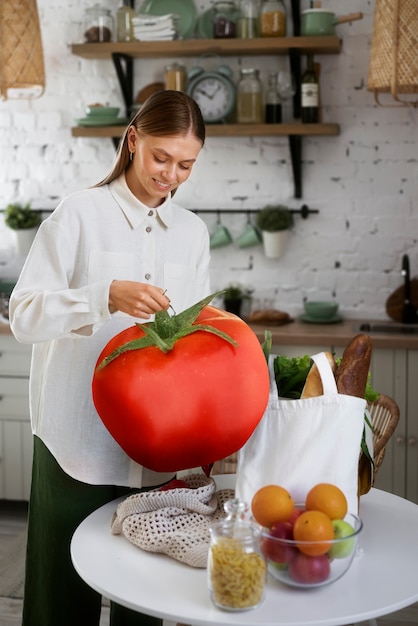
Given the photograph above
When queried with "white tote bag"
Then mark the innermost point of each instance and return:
(299, 443)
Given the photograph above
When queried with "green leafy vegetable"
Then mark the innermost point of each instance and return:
(290, 374)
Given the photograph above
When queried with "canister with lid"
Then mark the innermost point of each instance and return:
(175, 77)
(234, 555)
(225, 17)
(250, 97)
(248, 21)
(98, 25)
(273, 19)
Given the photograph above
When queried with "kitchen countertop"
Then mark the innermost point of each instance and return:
(298, 333)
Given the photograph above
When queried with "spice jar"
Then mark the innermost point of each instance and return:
(234, 555)
(175, 77)
(249, 97)
(225, 17)
(98, 25)
(248, 19)
(273, 19)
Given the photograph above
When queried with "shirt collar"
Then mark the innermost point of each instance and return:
(134, 210)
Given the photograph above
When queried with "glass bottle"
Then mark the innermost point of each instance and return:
(248, 19)
(124, 15)
(273, 19)
(234, 554)
(98, 25)
(249, 97)
(273, 104)
(225, 17)
(309, 93)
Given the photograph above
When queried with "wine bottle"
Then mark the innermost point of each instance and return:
(309, 93)
(273, 105)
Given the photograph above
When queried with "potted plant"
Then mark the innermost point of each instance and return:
(274, 223)
(234, 295)
(24, 221)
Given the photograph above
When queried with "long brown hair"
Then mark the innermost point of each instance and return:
(165, 113)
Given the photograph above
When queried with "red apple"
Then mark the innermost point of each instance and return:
(175, 484)
(276, 550)
(309, 570)
(298, 510)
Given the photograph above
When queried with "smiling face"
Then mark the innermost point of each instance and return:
(159, 165)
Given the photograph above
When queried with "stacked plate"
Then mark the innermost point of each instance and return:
(98, 115)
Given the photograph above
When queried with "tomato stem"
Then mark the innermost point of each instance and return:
(165, 330)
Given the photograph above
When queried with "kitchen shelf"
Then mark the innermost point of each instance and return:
(268, 46)
(123, 54)
(227, 130)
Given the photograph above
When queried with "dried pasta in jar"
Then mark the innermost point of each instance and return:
(237, 574)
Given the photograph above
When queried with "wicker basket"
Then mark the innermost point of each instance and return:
(393, 66)
(21, 56)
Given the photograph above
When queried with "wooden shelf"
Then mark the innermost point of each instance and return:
(123, 54)
(227, 130)
(223, 47)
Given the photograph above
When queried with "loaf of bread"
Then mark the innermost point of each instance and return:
(313, 384)
(269, 315)
(353, 370)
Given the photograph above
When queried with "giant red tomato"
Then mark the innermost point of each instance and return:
(191, 405)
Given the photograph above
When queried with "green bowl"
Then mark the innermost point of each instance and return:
(99, 111)
(321, 310)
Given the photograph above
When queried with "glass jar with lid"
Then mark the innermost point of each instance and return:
(248, 21)
(273, 19)
(175, 76)
(234, 554)
(225, 18)
(98, 25)
(250, 97)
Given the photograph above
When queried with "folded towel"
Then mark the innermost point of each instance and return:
(159, 35)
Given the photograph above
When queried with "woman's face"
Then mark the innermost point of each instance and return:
(159, 165)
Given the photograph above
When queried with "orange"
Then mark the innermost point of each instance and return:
(270, 504)
(327, 498)
(313, 526)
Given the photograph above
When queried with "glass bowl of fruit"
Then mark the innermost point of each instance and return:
(307, 544)
(306, 563)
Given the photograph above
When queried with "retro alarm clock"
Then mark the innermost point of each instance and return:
(214, 92)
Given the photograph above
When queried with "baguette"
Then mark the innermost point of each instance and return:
(313, 384)
(352, 373)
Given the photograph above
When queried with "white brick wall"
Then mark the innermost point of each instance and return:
(364, 182)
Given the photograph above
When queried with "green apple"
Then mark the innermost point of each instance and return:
(342, 549)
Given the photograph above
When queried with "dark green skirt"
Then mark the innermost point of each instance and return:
(54, 594)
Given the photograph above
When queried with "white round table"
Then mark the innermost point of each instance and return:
(382, 579)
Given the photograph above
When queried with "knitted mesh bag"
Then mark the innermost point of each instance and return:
(173, 522)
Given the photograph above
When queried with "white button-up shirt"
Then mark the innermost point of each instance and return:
(60, 304)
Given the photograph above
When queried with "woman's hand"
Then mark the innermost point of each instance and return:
(136, 299)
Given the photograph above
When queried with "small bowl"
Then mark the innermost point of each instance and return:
(289, 564)
(321, 310)
(102, 111)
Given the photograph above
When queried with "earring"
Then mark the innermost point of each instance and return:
(131, 156)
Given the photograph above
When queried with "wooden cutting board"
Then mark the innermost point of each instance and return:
(394, 304)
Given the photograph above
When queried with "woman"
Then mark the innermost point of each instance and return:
(106, 257)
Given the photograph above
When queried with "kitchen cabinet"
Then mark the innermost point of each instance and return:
(123, 54)
(15, 431)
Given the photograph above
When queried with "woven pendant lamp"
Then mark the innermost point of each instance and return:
(21, 57)
(393, 66)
